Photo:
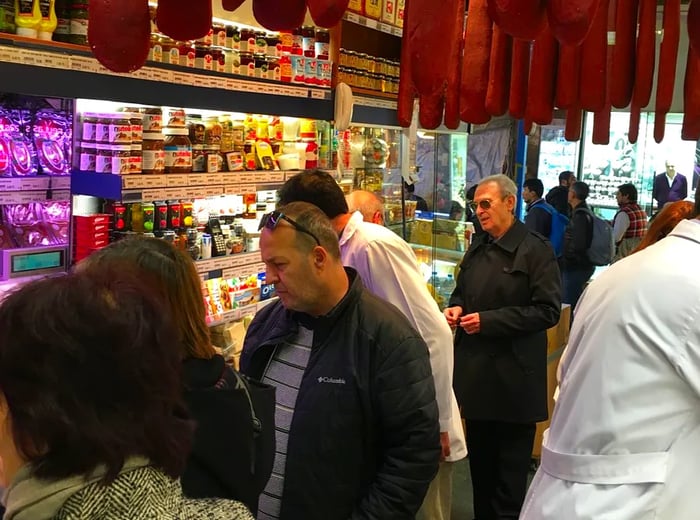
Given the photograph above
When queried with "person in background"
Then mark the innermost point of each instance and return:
(626, 422)
(456, 211)
(389, 269)
(537, 219)
(669, 186)
(94, 426)
(357, 422)
(630, 221)
(664, 222)
(577, 269)
(369, 204)
(470, 213)
(559, 195)
(507, 296)
(228, 458)
(410, 189)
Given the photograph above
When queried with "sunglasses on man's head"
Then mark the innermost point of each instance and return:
(270, 221)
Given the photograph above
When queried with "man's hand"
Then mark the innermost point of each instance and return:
(452, 315)
(471, 323)
(445, 445)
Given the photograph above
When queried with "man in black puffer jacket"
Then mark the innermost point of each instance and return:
(357, 421)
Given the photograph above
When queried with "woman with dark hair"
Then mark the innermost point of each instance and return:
(91, 413)
(234, 444)
(665, 220)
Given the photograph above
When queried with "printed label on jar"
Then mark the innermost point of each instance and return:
(135, 164)
(103, 163)
(178, 157)
(152, 123)
(220, 38)
(274, 72)
(173, 56)
(153, 160)
(221, 65)
(88, 162)
(136, 133)
(120, 165)
(89, 131)
(79, 27)
(120, 134)
(102, 133)
(322, 50)
(157, 53)
(250, 70)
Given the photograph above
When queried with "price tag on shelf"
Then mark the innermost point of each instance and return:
(183, 78)
(213, 191)
(60, 183)
(200, 81)
(397, 31)
(385, 28)
(8, 54)
(276, 177)
(24, 183)
(352, 17)
(317, 94)
(60, 195)
(177, 180)
(217, 83)
(372, 24)
(84, 64)
(29, 57)
(198, 193)
(197, 179)
(165, 76)
(156, 181)
(134, 181)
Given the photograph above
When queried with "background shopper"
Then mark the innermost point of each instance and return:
(229, 459)
(630, 221)
(537, 218)
(388, 268)
(91, 408)
(357, 422)
(577, 269)
(559, 195)
(507, 296)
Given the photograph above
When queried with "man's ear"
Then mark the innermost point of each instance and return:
(378, 218)
(320, 257)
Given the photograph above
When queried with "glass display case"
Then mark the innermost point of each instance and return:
(421, 181)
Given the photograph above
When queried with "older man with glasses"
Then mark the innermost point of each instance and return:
(356, 418)
(507, 296)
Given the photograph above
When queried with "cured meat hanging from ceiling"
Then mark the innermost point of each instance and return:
(528, 57)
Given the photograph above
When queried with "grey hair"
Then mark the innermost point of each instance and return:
(315, 221)
(505, 184)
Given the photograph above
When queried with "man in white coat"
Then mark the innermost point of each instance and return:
(625, 434)
(389, 269)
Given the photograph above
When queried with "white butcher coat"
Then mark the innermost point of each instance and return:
(388, 268)
(624, 442)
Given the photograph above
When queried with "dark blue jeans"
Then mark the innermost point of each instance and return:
(573, 281)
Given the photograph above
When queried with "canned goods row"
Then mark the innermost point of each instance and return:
(368, 80)
(367, 63)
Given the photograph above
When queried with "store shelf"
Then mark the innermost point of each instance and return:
(240, 313)
(20, 190)
(370, 23)
(250, 261)
(34, 68)
(136, 188)
(372, 109)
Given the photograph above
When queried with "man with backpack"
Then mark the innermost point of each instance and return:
(558, 196)
(577, 267)
(542, 217)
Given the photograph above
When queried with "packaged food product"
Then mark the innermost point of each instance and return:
(263, 155)
(120, 129)
(197, 129)
(249, 155)
(297, 42)
(247, 43)
(356, 6)
(298, 68)
(261, 65)
(233, 38)
(235, 161)
(79, 23)
(199, 159)
(187, 54)
(322, 45)
(308, 41)
(52, 136)
(171, 51)
(153, 158)
(400, 8)
(136, 158)
(136, 120)
(178, 151)
(247, 64)
(273, 68)
(103, 158)
(214, 160)
(219, 58)
(88, 122)
(389, 12)
(87, 157)
(121, 157)
(176, 118)
(213, 131)
(307, 128)
(274, 44)
(204, 58)
(323, 73)
(285, 63)
(156, 51)
(373, 9)
(219, 37)
(260, 43)
(153, 120)
(102, 128)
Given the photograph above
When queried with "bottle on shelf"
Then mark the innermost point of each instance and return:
(447, 288)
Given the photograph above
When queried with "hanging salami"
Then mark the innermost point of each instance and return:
(666, 74)
(524, 19)
(279, 15)
(570, 20)
(327, 13)
(644, 65)
(475, 67)
(183, 20)
(499, 73)
(107, 42)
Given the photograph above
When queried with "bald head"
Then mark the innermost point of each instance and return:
(369, 204)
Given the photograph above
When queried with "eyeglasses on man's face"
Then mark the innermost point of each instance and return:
(272, 219)
(485, 204)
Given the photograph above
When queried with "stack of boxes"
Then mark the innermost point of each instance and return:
(90, 234)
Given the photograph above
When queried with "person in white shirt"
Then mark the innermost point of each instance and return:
(625, 432)
(388, 268)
